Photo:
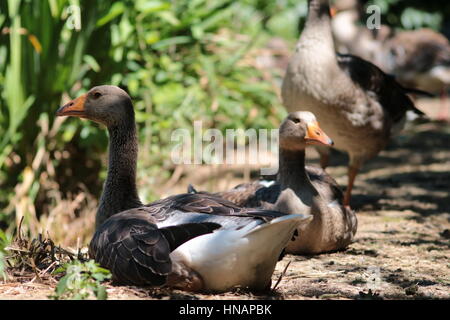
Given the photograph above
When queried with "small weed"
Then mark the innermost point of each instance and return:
(370, 295)
(445, 234)
(39, 255)
(412, 290)
(81, 280)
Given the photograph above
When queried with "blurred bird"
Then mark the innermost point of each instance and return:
(417, 58)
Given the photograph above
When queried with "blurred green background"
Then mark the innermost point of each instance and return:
(180, 61)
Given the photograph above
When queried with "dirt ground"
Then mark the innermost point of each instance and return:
(402, 246)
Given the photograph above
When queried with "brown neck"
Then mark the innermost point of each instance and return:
(293, 176)
(119, 191)
(292, 172)
(318, 10)
(317, 56)
(318, 24)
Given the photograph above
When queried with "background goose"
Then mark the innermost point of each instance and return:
(308, 189)
(420, 58)
(356, 103)
(353, 37)
(417, 58)
(188, 241)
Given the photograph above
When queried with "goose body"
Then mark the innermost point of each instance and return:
(355, 102)
(188, 241)
(419, 58)
(302, 189)
(208, 249)
(232, 257)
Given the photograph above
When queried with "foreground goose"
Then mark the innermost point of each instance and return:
(355, 102)
(187, 241)
(302, 189)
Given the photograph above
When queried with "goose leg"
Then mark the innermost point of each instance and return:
(352, 172)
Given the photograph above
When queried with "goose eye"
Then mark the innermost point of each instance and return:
(97, 95)
(296, 120)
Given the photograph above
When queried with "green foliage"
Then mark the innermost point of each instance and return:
(42, 58)
(180, 61)
(4, 242)
(82, 280)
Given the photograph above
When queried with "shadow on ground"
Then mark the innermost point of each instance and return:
(412, 173)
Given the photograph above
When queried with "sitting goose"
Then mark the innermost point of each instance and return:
(187, 241)
(308, 189)
(356, 103)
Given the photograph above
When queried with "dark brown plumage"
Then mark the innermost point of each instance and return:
(246, 194)
(136, 251)
(391, 95)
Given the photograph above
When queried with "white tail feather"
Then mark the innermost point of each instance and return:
(244, 257)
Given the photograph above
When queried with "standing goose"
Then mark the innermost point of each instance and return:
(187, 241)
(308, 189)
(356, 103)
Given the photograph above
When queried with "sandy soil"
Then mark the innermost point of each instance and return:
(402, 247)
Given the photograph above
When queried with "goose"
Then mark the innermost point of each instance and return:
(355, 101)
(309, 189)
(185, 241)
(420, 58)
(417, 58)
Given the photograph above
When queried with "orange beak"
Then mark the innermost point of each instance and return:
(316, 136)
(333, 11)
(73, 108)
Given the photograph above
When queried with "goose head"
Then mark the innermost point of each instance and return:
(108, 105)
(300, 129)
